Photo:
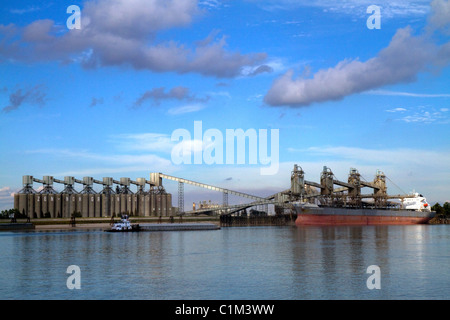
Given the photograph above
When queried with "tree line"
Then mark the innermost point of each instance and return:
(12, 213)
(442, 210)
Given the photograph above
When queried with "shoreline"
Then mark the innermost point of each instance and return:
(439, 220)
(104, 223)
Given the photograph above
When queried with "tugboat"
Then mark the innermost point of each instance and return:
(124, 226)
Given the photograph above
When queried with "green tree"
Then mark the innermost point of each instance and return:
(5, 214)
(438, 208)
(446, 209)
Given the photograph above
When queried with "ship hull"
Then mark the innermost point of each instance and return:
(344, 216)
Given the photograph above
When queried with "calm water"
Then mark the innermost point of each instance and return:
(277, 263)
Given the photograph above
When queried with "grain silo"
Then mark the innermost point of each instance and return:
(107, 197)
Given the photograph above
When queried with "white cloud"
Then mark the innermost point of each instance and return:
(440, 18)
(137, 18)
(356, 8)
(211, 4)
(386, 156)
(423, 115)
(151, 142)
(7, 197)
(95, 163)
(5, 189)
(28, 9)
(124, 33)
(408, 94)
(185, 109)
(396, 110)
(394, 64)
(187, 150)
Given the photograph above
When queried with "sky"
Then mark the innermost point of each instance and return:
(104, 97)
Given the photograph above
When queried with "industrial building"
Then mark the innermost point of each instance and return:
(110, 201)
(116, 197)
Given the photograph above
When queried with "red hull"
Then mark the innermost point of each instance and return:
(335, 220)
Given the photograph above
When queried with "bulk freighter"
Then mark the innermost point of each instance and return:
(348, 206)
(309, 214)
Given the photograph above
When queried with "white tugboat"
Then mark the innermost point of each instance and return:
(124, 225)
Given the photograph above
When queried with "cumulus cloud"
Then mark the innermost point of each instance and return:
(397, 63)
(34, 96)
(394, 64)
(440, 17)
(137, 18)
(124, 33)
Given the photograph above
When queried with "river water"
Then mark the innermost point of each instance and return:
(237, 263)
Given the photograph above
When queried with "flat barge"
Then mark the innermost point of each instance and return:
(177, 226)
(126, 226)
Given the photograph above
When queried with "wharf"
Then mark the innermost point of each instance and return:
(178, 226)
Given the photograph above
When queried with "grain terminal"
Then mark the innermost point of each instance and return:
(309, 202)
(110, 201)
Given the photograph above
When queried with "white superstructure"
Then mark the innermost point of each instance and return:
(416, 202)
(123, 225)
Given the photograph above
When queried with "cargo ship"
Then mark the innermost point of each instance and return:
(413, 210)
(323, 204)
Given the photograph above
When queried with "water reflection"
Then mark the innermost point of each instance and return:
(338, 257)
(231, 263)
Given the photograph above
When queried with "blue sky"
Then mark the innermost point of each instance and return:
(104, 100)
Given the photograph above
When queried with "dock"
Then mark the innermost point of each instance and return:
(178, 226)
